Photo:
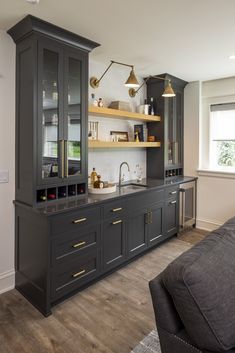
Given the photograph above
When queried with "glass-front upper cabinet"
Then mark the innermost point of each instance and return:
(173, 131)
(74, 104)
(61, 129)
(50, 115)
(73, 150)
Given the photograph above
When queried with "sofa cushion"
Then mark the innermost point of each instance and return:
(202, 285)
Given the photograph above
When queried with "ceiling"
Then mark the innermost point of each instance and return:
(191, 39)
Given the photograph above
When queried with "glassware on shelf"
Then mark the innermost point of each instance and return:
(55, 91)
(138, 172)
(94, 101)
(93, 130)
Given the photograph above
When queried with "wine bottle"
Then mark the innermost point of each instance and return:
(51, 196)
(42, 198)
(62, 194)
(151, 107)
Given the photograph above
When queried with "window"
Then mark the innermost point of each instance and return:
(222, 137)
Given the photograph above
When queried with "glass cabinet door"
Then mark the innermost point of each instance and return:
(50, 116)
(74, 151)
(173, 131)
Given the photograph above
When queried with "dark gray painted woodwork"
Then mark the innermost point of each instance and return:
(170, 109)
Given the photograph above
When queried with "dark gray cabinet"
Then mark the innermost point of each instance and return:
(113, 243)
(171, 210)
(59, 254)
(167, 161)
(137, 240)
(156, 224)
(51, 111)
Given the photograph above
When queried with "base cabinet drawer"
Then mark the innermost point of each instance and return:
(75, 220)
(67, 247)
(68, 278)
(114, 243)
(115, 209)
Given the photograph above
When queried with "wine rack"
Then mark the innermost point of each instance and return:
(173, 172)
(60, 192)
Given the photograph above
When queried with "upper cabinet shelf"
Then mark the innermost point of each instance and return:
(121, 114)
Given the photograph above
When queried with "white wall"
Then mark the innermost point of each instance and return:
(216, 195)
(7, 160)
(112, 88)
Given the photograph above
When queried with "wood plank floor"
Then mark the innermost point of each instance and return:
(111, 316)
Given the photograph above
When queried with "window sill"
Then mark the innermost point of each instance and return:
(216, 173)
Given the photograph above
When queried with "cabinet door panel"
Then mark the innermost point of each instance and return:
(114, 239)
(50, 101)
(155, 226)
(172, 217)
(75, 129)
(137, 233)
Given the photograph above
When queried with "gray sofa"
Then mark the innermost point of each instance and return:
(194, 297)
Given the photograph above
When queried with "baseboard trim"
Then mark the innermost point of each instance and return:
(208, 225)
(7, 281)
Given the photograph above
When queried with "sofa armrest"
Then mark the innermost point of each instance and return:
(165, 313)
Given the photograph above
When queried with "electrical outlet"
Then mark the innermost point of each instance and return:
(4, 176)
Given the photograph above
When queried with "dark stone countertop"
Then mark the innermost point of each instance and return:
(59, 206)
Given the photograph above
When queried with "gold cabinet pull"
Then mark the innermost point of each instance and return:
(116, 209)
(172, 202)
(79, 244)
(117, 222)
(78, 273)
(79, 220)
(173, 192)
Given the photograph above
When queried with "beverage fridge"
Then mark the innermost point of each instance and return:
(187, 204)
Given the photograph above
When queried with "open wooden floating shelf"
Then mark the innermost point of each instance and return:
(121, 114)
(107, 144)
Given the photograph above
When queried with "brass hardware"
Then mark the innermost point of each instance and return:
(130, 82)
(168, 90)
(150, 217)
(117, 222)
(132, 92)
(61, 142)
(172, 202)
(173, 192)
(146, 218)
(79, 244)
(66, 172)
(79, 220)
(78, 273)
(116, 209)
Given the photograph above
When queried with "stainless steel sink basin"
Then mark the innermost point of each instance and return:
(132, 187)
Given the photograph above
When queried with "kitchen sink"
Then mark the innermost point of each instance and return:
(132, 187)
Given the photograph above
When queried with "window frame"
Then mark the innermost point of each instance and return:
(205, 168)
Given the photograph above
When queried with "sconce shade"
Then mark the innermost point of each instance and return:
(168, 92)
(132, 81)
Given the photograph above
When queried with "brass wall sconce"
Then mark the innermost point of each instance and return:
(168, 91)
(131, 82)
